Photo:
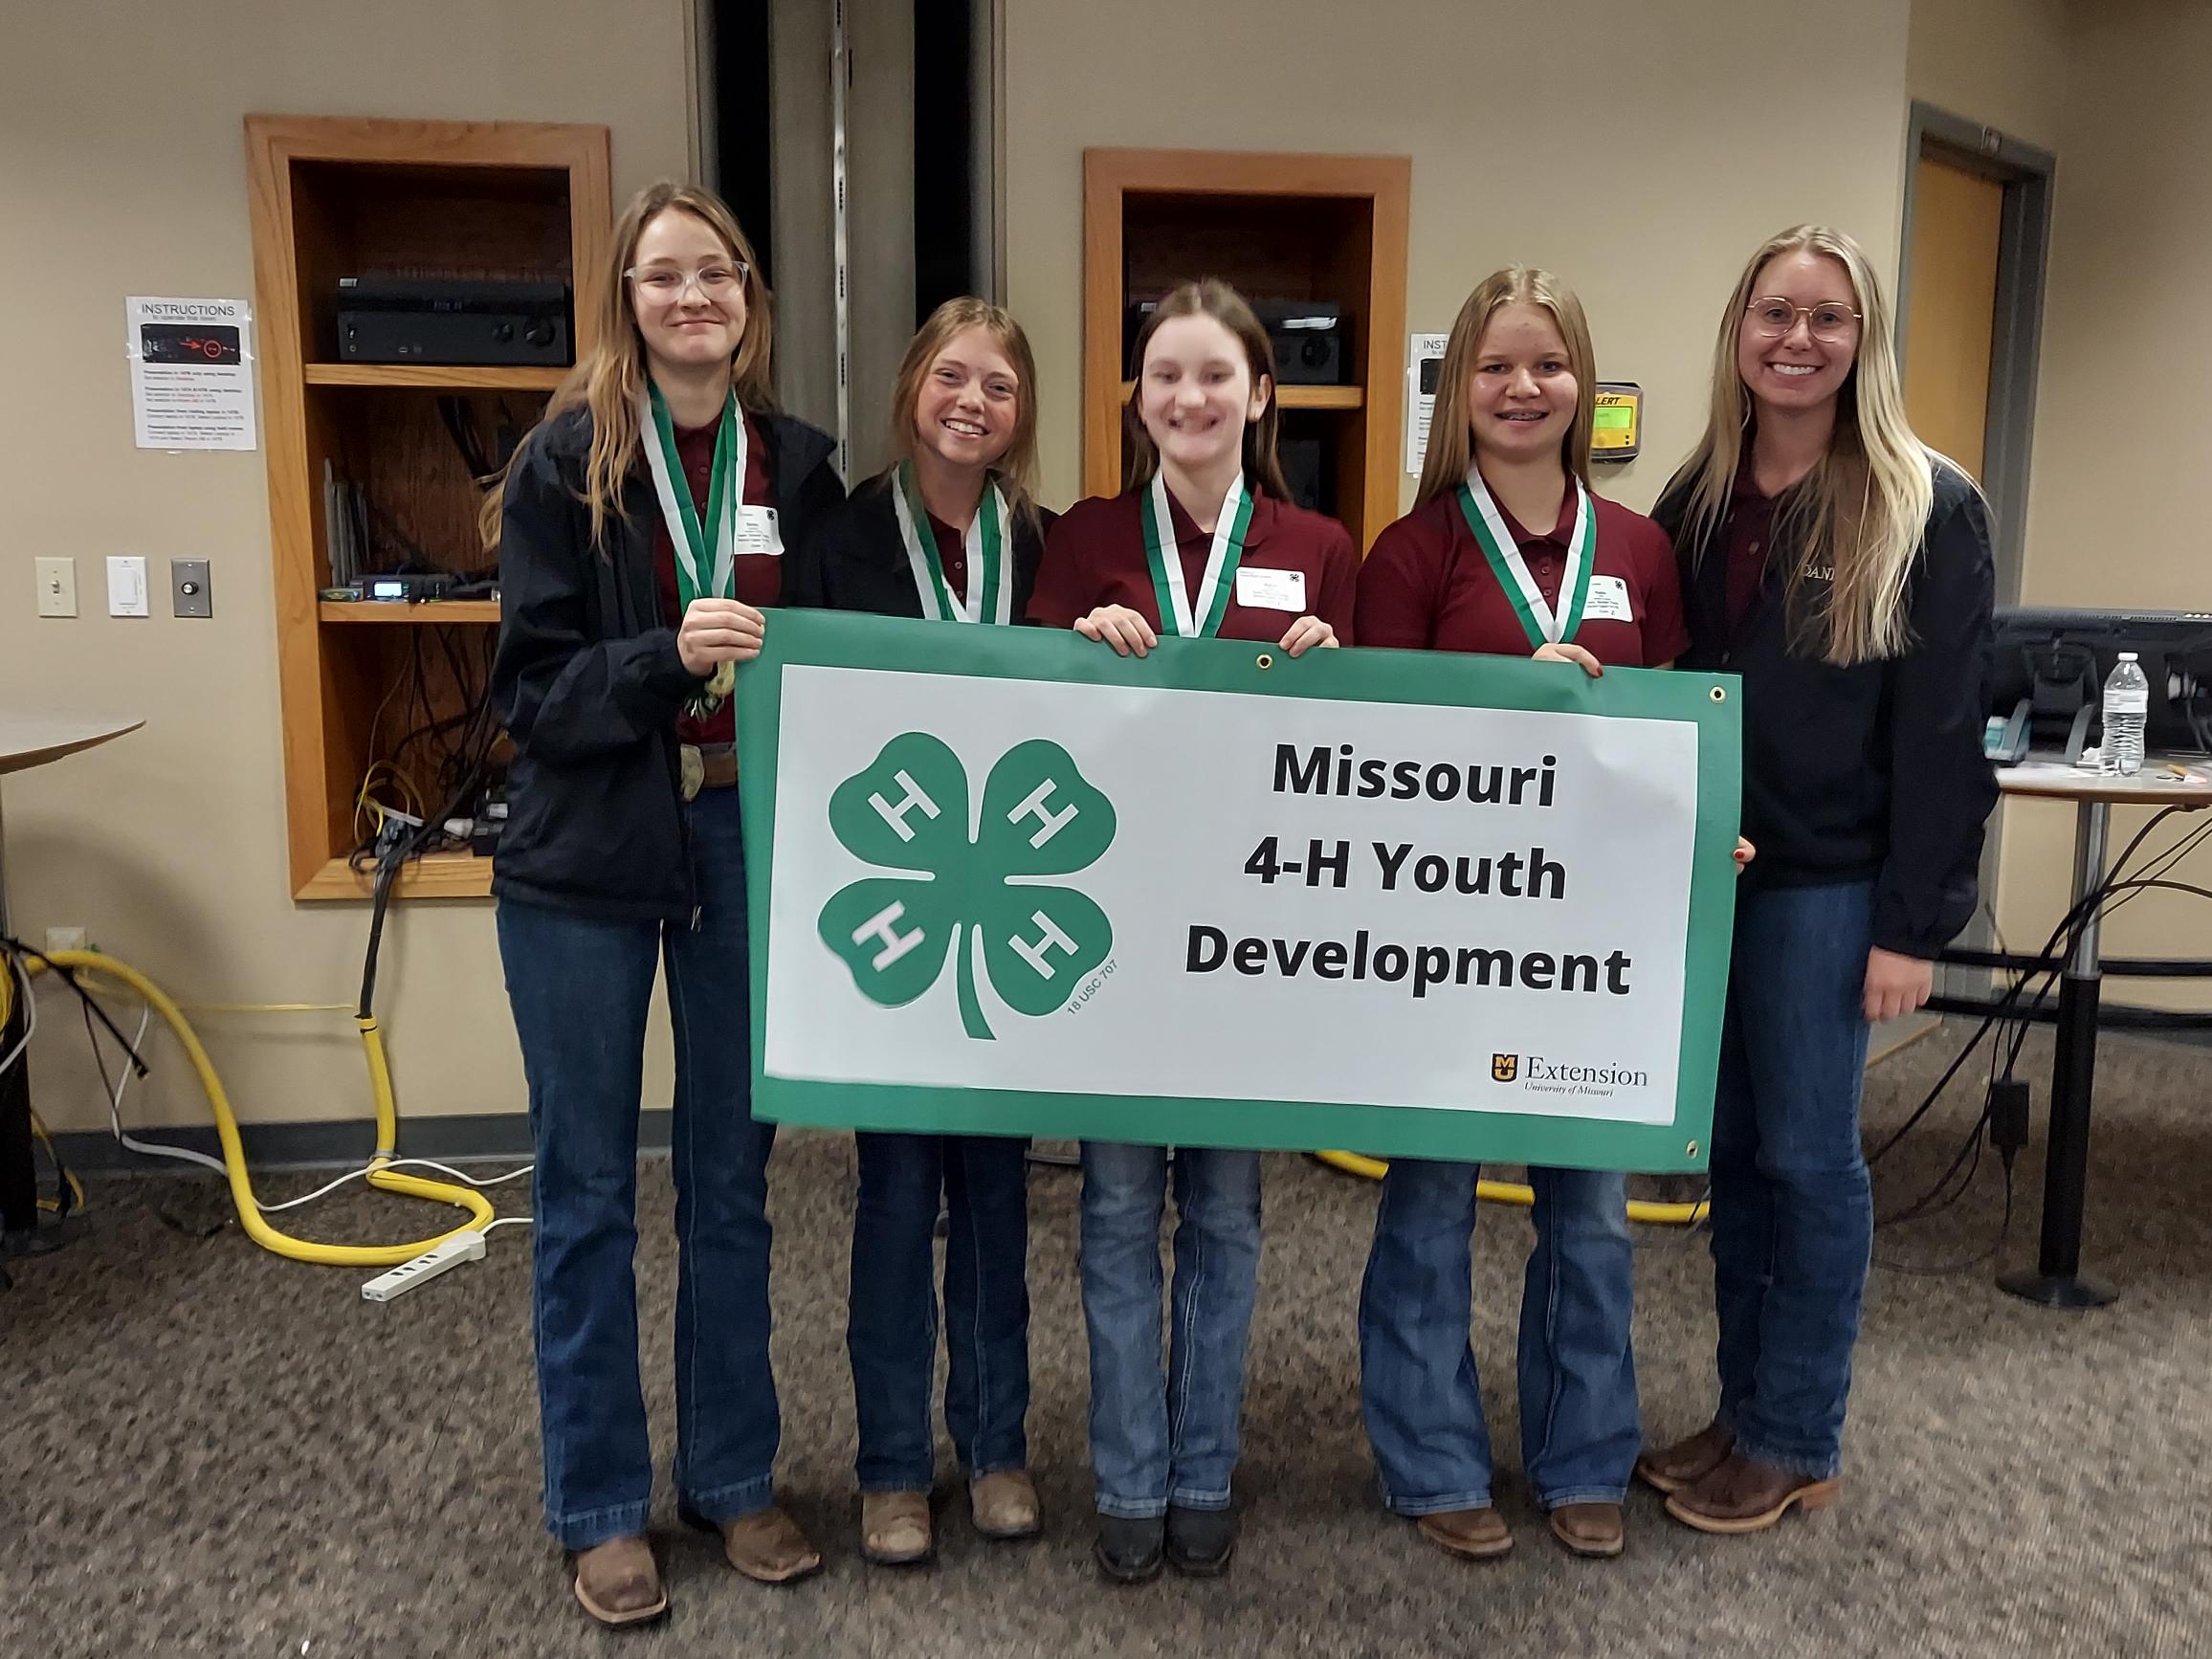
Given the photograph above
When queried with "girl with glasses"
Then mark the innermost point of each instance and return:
(947, 533)
(639, 530)
(1843, 568)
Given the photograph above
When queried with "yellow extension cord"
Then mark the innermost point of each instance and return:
(1513, 1193)
(250, 1217)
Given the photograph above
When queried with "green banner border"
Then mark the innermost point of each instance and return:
(1445, 680)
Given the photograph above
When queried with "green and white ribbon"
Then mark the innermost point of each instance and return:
(1537, 619)
(705, 548)
(991, 596)
(1198, 618)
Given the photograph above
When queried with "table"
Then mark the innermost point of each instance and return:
(27, 741)
(2056, 1281)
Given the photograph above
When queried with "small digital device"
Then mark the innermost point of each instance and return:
(1617, 433)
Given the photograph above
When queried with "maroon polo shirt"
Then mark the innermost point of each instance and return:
(1748, 537)
(952, 553)
(1427, 586)
(1094, 555)
(760, 578)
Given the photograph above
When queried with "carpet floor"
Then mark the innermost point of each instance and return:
(204, 1448)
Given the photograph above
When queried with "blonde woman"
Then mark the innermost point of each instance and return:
(1508, 552)
(1843, 570)
(639, 530)
(948, 533)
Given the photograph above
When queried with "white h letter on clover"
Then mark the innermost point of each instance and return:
(1034, 808)
(883, 926)
(895, 816)
(1052, 938)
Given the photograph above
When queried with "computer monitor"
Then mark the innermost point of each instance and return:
(2047, 680)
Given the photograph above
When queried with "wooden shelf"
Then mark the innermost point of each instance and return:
(1328, 228)
(433, 875)
(434, 377)
(390, 611)
(1340, 397)
(337, 196)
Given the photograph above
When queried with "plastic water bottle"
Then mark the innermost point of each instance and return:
(2127, 700)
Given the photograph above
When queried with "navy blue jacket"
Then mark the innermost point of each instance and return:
(587, 680)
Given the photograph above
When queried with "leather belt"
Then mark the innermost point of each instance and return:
(715, 768)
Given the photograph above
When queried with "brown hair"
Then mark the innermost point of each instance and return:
(1450, 438)
(1215, 299)
(1017, 468)
(610, 377)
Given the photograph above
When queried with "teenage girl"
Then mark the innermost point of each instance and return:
(1507, 552)
(1201, 541)
(639, 532)
(947, 533)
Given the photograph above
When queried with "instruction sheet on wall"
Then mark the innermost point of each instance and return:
(191, 373)
(1423, 357)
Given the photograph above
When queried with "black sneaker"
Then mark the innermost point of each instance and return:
(1128, 1549)
(1200, 1541)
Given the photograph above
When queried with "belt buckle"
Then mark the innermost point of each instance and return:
(692, 769)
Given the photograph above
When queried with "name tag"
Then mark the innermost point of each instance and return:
(757, 532)
(1608, 601)
(1259, 589)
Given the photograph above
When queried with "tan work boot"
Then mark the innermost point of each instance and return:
(1676, 1467)
(618, 1583)
(895, 1529)
(1004, 1505)
(1591, 1530)
(1474, 1535)
(768, 1548)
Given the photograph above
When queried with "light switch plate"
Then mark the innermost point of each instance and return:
(126, 586)
(58, 586)
(188, 587)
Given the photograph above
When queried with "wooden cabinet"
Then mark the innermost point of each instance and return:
(342, 197)
(1279, 228)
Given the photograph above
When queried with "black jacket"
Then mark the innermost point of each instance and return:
(588, 683)
(855, 561)
(1875, 771)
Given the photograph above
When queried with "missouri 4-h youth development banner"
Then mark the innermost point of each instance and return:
(1004, 881)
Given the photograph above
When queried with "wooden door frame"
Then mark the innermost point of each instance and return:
(2023, 260)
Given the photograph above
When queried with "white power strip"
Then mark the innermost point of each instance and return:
(467, 1246)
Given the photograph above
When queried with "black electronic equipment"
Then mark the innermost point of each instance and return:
(454, 322)
(1304, 467)
(2047, 679)
(1307, 337)
(407, 588)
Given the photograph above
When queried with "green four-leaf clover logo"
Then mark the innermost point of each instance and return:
(909, 811)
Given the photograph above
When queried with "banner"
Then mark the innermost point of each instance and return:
(1004, 881)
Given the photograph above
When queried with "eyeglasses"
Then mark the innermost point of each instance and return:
(1829, 323)
(666, 285)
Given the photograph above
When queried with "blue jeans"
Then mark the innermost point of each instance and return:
(891, 1333)
(1793, 1214)
(579, 988)
(1161, 1438)
(1419, 1389)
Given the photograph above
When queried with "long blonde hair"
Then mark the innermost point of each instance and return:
(1863, 509)
(1017, 468)
(1450, 438)
(610, 377)
(1211, 296)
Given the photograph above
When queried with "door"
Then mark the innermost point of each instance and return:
(1958, 222)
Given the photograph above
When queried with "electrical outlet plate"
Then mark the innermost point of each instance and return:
(189, 588)
(64, 939)
(58, 586)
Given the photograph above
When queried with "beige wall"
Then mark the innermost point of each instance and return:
(2115, 507)
(2003, 63)
(127, 174)
(1639, 151)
